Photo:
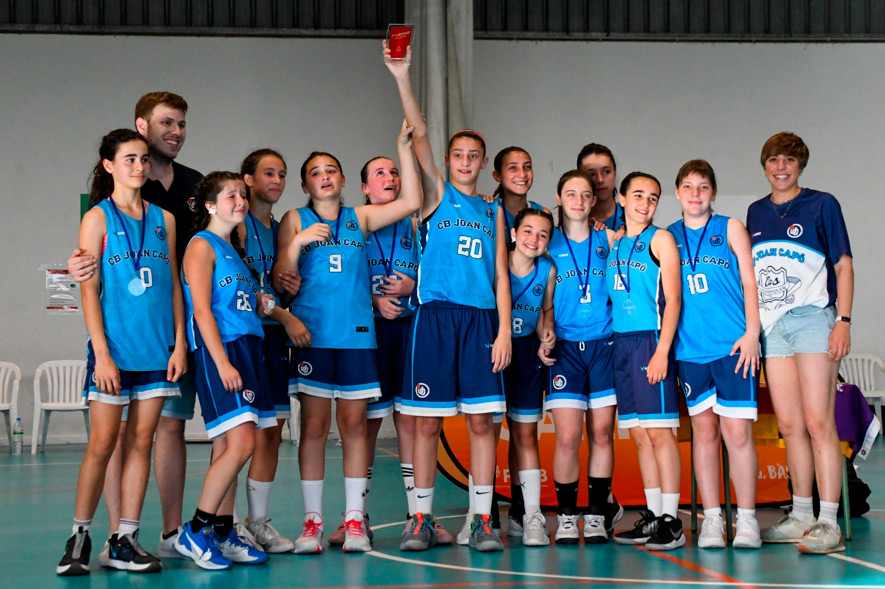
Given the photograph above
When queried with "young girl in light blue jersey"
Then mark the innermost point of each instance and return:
(580, 391)
(599, 163)
(133, 310)
(325, 241)
(225, 306)
(460, 337)
(644, 286)
(717, 350)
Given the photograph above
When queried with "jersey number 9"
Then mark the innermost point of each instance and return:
(335, 263)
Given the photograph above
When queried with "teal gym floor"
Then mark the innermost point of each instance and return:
(37, 496)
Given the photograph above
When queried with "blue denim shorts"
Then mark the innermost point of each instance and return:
(803, 330)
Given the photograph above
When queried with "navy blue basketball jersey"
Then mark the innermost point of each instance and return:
(712, 316)
(527, 295)
(458, 252)
(334, 302)
(581, 307)
(388, 249)
(234, 296)
(261, 251)
(634, 284)
(509, 220)
(136, 304)
(795, 246)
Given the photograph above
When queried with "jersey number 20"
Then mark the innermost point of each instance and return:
(470, 247)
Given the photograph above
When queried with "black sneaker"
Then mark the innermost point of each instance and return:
(126, 554)
(614, 513)
(641, 532)
(76, 558)
(668, 534)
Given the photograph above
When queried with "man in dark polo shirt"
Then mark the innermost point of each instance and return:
(160, 118)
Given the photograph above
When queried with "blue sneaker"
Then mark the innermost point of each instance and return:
(202, 547)
(237, 551)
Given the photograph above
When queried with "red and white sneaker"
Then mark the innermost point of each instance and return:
(355, 537)
(311, 539)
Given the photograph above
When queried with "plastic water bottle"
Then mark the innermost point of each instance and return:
(18, 437)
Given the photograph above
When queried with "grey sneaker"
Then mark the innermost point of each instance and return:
(246, 536)
(166, 547)
(534, 530)
(482, 537)
(747, 532)
(787, 530)
(567, 529)
(713, 533)
(514, 527)
(268, 538)
(463, 537)
(594, 529)
(420, 536)
(822, 538)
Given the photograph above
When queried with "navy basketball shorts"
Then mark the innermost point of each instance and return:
(582, 377)
(391, 336)
(449, 362)
(135, 385)
(351, 375)
(715, 385)
(524, 381)
(640, 403)
(276, 360)
(223, 410)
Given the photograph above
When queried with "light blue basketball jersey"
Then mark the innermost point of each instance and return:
(615, 221)
(509, 219)
(334, 302)
(234, 296)
(458, 252)
(527, 295)
(712, 316)
(139, 329)
(261, 251)
(581, 307)
(631, 267)
(388, 249)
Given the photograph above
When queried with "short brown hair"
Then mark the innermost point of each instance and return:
(146, 104)
(785, 143)
(700, 167)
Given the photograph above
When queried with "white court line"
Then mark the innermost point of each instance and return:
(413, 561)
(852, 560)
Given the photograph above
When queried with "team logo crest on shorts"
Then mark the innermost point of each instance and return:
(422, 390)
(716, 240)
(249, 396)
(538, 290)
(161, 233)
(192, 204)
(559, 382)
(351, 225)
(602, 252)
(406, 242)
(687, 388)
(304, 368)
(795, 230)
(640, 246)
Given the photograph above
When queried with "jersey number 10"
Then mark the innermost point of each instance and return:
(697, 283)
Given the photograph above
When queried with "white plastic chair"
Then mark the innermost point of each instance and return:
(9, 375)
(859, 369)
(64, 392)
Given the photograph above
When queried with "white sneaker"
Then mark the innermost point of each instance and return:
(746, 533)
(534, 530)
(105, 555)
(514, 527)
(355, 537)
(594, 529)
(822, 538)
(713, 533)
(267, 537)
(567, 529)
(246, 536)
(787, 529)
(463, 538)
(166, 548)
(311, 539)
